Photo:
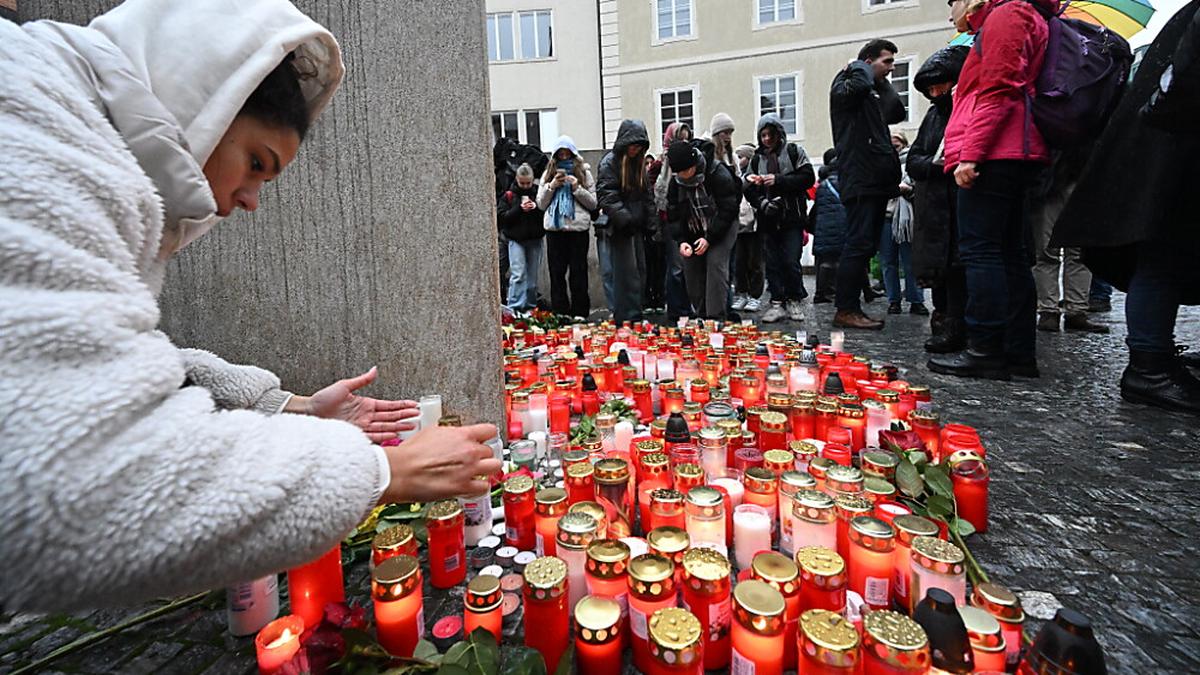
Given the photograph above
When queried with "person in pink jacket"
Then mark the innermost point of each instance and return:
(993, 149)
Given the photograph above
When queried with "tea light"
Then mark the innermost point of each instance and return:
(505, 556)
(828, 644)
(575, 532)
(430, 410)
(705, 517)
(758, 629)
(872, 568)
(677, 645)
(598, 635)
(706, 593)
(547, 617)
(447, 631)
(823, 579)
(751, 532)
(893, 644)
(782, 574)
(399, 615)
(447, 550)
(316, 584)
(278, 642)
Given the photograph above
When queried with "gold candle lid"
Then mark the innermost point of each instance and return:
(598, 620)
(612, 470)
(702, 495)
(668, 539)
(798, 480)
(649, 446)
(731, 427)
(923, 414)
(896, 640)
(803, 450)
(871, 404)
(918, 389)
(597, 513)
(483, 593)
(888, 395)
(576, 530)
(581, 471)
(675, 636)
(689, 471)
(758, 607)
(655, 461)
(938, 556)
(605, 420)
(760, 480)
(999, 602)
(849, 506)
(819, 561)
(395, 578)
(713, 436)
(546, 578)
(879, 463)
(910, 526)
(844, 480)
(779, 460)
(778, 570)
(851, 409)
(520, 396)
(445, 509)
(872, 533)
(778, 401)
(829, 639)
(961, 456)
(518, 484)
(982, 629)
(639, 386)
(813, 506)
(876, 488)
(666, 496)
(651, 576)
(706, 570)
(818, 466)
(394, 538)
(772, 421)
(551, 501)
(592, 444)
(808, 397)
(607, 558)
(573, 457)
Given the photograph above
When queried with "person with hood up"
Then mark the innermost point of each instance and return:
(993, 149)
(567, 196)
(702, 206)
(521, 222)
(1142, 238)
(749, 277)
(862, 103)
(935, 226)
(624, 196)
(674, 284)
(119, 149)
(777, 183)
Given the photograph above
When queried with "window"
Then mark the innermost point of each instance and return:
(872, 5)
(779, 95)
(774, 11)
(536, 127)
(674, 18)
(902, 80)
(523, 36)
(676, 105)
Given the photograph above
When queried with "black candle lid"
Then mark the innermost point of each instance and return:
(677, 429)
(1067, 645)
(589, 382)
(949, 643)
(623, 358)
(833, 385)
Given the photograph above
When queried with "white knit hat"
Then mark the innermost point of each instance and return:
(720, 122)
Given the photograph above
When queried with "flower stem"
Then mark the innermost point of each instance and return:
(974, 571)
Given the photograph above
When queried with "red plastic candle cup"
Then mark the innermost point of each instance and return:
(762, 489)
(1002, 604)
(447, 549)
(772, 434)
(277, 643)
(642, 400)
(826, 417)
(316, 584)
(483, 601)
(395, 540)
(780, 572)
(396, 596)
(746, 458)
(837, 452)
(580, 482)
(519, 508)
(854, 418)
(847, 508)
(550, 505)
(955, 442)
(651, 582)
(893, 644)
(706, 591)
(871, 563)
(823, 579)
(606, 571)
(677, 644)
(888, 510)
(757, 633)
(802, 416)
(665, 509)
(907, 528)
(927, 425)
(970, 479)
(688, 476)
(547, 619)
(560, 414)
(598, 633)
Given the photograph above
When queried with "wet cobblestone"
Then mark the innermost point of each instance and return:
(1094, 506)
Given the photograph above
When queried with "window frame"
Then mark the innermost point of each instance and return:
(798, 75)
(693, 32)
(755, 14)
(867, 8)
(658, 93)
(518, 36)
(522, 126)
(911, 108)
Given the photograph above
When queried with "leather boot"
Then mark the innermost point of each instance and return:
(953, 338)
(851, 319)
(1048, 321)
(1079, 322)
(1160, 380)
(971, 363)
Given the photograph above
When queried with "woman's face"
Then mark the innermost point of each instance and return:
(723, 137)
(633, 150)
(958, 15)
(940, 89)
(767, 136)
(562, 154)
(250, 154)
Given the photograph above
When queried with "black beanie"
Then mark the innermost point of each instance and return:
(681, 156)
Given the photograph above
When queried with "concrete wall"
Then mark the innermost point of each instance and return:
(377, 247)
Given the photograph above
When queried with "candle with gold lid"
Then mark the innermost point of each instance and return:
(572, 457)
(772, 431)
(818, 467)
(714, 446)
(790, 482)
(826, 416)
(762, 490)
(851, 416)
(447, 547)
(782, 574)
(666, 508)
(671, 543)
(642, 400)
(580, 482)
(598, 631)
(597, 513)
(814, 520)
(987, 640)
(878, 490)
(828, 644)
(872, 542)
(607, 566)
(547, 617)
(482, 606)
(937, 564)
(843, 480)
(575, 532)
(927, 425)
(907, 527)
(823, 579)
(1004, 605)
(655, 465)
(847, 508)
(652, 587)
(757, 629)
(803, 452)
(521, 530)
(779, 461)
(398, 607)
(550, 505)
(612, 492)
(893, 644)
(801, 417)
(880, 463)
(676, 643)
(706, 586)
(395, 540)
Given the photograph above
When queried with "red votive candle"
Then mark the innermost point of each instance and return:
(560, 414)
(828, 644)
(757, 629)
(598, 631)
(823, 579)
(839, 435)
(970, 478)
(826, 416)
(854, 418)
(987, 640)
(802, 416)
(547, 620)
(666, 509)
(671, 543)
(676, 643)
(772, 433)
(847, 508)
(550, 505)
(483, 601)
(447, 549)
(1002, 604)
(688, 476)
(642, 400)
(907, 528)
(651, 582)
(837, 452)
(316, 584)
(394, 541)
(396, 595)
(580, 482)
(893, 644)
(762, 489)
(277, 643)
(745, 458)
(781, 573)
(706, 593)
(520, 526)
(872, 566)
(607, 566)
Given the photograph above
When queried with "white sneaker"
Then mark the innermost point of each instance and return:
(793, 310)
(774, 313)
(753, 305)
(739, 302)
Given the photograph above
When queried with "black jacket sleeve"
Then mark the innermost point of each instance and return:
(851, 85)
(508, 210)
(920, 156)
(890, 104)
(723, 189)
(676, 215)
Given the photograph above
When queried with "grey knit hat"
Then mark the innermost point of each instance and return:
(720, 122)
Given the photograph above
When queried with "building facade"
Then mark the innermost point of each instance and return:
(544, 71)
(685, 60)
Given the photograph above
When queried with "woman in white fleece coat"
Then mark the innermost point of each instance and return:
(133, 469)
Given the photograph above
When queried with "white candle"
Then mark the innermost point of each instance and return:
(430, 407)
(732, 486)
(539, 440)
(837, 340)
(808, 533)
(637, 359)
(878, 420)
(717, 340)
(535, 423)
(666, 368)
(751, 533)
(650, 366)
(637, 546)
(624, 435)
(576, 560)
(801, 378)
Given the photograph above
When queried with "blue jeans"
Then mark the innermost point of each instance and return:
(782, 248)
(1152, 303)
(604, 254)
(895, 257)
(993, 247)
(524, 262)
(674, 285)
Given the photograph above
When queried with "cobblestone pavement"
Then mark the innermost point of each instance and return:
(1094, 505)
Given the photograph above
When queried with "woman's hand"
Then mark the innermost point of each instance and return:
(701, 246)
(440, 463)
(965, 175)
(380, 420)
(685, 250)
(572, 181)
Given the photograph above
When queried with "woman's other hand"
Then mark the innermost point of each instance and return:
(380, 420)
(440, 463)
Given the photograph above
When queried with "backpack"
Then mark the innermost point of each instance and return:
(508, 155)
(1082, 78)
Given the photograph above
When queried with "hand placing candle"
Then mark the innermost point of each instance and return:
(380, 419)
(441, 462)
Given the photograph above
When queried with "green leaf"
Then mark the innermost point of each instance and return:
(908, 479)
(522, 660)
(963, 527)
(452, 669)
(426, 651)
(459, 654)
(487, 652)
(937, 477)
(940, 507)
(566, 664)
(917, 457)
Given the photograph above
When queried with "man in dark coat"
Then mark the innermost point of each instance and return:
(1139, 232)
(935, 229)
(862, 103)
(703, 199)
(624, 196)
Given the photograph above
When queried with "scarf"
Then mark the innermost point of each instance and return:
(700, 206)
(563, 204)
(902, 214)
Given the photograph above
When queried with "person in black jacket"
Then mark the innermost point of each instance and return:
(862, 103)
(776, 185)
(935, 261)
(703, 199)
(521, 222)
(625, 198)
(828, 224)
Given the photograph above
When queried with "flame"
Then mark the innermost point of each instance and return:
(285, 637)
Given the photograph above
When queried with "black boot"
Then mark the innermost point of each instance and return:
(972, 363)
(1160, 380)
(952, 338)
(937, 322)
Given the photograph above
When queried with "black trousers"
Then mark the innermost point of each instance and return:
(748, 264)
(567, 254)
(864, 226)
(656, 255)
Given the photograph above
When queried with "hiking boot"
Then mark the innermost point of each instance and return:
(918, 308)
(774, 313)
(739, 302)
(969, 363)
(1080, 323)
(894, 308)
(1048, 321)
(793, 310)
(1160, 380)
(752, 305)
(853, 319)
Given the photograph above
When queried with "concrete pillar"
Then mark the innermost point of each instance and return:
(378, 245)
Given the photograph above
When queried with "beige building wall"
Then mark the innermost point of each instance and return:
(568, 81)
(728, 52)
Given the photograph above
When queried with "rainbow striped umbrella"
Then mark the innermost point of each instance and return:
(1124, 17)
